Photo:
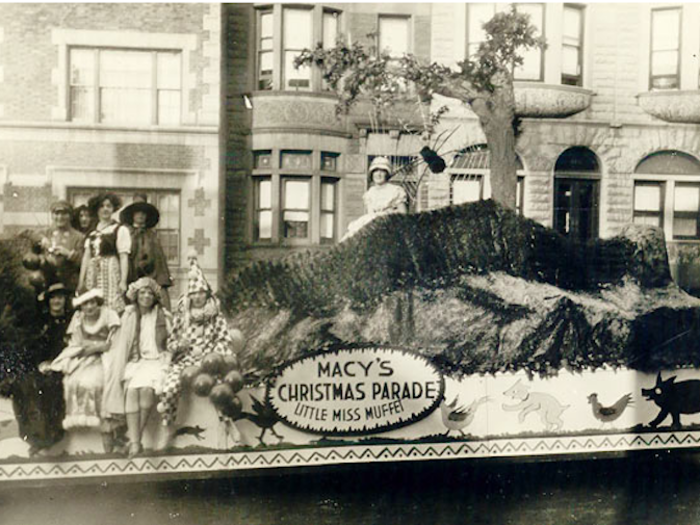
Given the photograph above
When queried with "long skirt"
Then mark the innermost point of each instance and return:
(83, 394)
(104, 273)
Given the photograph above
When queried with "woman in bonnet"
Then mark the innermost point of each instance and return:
(138, 360)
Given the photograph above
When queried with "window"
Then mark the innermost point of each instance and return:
(124, 86)
(572, 46)
(296, 204)
(665, 48)
(466, 188)
(667, 194)
(295, 199)
(520, 195)
(328, 207)
(282, 33)
(686, 210)
(649, 203)
(532, 69)
(477, 16)
(394, 35)
(265, 49)
(330, 28)
(469, 177)
(297, 31)
(263, 208)
(167, 202)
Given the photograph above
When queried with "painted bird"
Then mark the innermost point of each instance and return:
(456, 418)
(264, 416)
(611, 413)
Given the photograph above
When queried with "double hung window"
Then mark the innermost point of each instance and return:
(125, 86)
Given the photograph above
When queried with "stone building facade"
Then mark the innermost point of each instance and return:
(610, 122)
(123, 97)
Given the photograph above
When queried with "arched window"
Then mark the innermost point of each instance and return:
(667, 194)
(577, 193)
(469, 179)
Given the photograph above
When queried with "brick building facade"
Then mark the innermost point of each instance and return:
(610, 132)
(129, 97)
(123, 97)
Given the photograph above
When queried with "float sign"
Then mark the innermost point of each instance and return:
(354, 391)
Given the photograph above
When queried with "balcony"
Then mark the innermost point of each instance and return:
(672, 105)
(537, 100)
(295, 111)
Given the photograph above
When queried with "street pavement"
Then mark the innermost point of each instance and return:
(651, 488)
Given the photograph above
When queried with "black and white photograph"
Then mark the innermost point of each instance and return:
(349, 263)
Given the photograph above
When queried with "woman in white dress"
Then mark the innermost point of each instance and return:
(381, 199)
(138, 360)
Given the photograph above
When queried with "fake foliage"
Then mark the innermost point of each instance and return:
(18, 313)
(476, 288)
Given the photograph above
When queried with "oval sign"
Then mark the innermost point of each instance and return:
(352, 391)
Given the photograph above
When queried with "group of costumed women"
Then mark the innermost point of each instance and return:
(120, 354)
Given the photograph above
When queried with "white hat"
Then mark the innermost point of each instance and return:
(380, 163)
(95, 293)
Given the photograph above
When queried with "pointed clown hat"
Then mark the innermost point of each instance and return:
(196, 282)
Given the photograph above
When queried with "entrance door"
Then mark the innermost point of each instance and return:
(576, 208)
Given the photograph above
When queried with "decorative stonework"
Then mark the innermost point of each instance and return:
(199, 203)
(295, 111)
(672, 106)
(536, 100)
(199, 241)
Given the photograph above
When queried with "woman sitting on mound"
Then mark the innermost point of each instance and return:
(199, 328)
(382, 198)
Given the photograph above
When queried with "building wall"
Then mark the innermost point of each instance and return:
(280, 120)
(614, 125)
(43, 153)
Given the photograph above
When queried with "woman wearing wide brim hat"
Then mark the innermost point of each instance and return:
(147, 258)
(382, 198)
(152, 215)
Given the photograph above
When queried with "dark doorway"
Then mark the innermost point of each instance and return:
(576, 203)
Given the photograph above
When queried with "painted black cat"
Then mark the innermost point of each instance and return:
(673, 398)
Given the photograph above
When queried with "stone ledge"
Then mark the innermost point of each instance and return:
(672, 106)
(538, 100)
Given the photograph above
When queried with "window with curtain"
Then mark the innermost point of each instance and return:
(572, 46)
(649, 203)
(686, 210)
(295, 201)
(665, 48)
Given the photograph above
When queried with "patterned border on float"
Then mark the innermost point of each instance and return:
(265, 459)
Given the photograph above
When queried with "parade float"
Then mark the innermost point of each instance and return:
(460, 333)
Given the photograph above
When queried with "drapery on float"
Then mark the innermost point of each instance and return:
(464, 332)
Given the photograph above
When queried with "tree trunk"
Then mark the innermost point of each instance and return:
(496, 116)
